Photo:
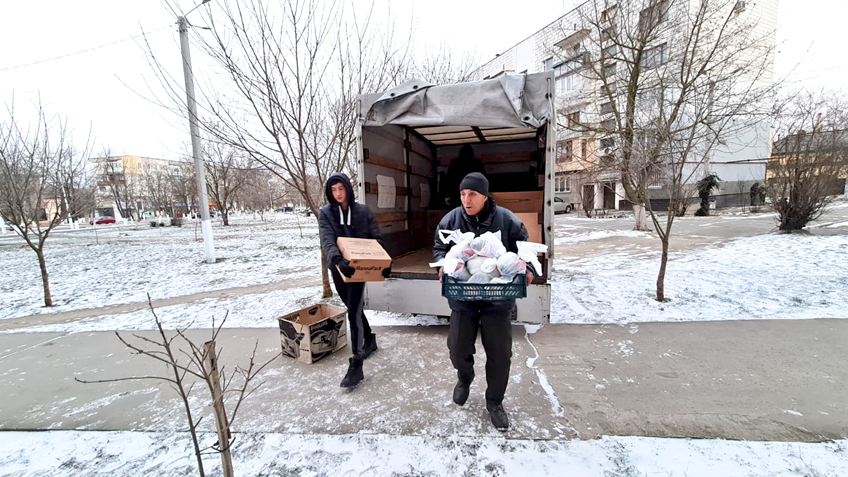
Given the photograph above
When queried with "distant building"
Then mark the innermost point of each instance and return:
(138, 185)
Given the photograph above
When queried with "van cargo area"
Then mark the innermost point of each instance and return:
(403, 178)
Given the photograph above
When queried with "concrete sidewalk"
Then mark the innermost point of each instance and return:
(755, 380)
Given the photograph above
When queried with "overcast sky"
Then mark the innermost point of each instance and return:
(105, 88)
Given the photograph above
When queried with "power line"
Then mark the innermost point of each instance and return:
(83, 51)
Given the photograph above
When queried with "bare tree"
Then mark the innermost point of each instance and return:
(157, 187)
(187, 364)
(295, 72)
(227, 171)
(184, 185)
(810, 158)
(42, 181)
(667, 83)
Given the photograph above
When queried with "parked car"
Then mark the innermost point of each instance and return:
(106, 219)
(562, 207)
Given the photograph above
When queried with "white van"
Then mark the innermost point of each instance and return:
(407, 138)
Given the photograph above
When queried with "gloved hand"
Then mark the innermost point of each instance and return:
(345, 268)
(387, 271)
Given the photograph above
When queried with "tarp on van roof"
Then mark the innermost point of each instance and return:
(506, 101)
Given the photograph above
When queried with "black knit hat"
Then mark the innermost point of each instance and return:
(475, 181)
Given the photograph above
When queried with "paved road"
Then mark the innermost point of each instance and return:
(756, 380)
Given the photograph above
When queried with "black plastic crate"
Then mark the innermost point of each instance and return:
(454, 289)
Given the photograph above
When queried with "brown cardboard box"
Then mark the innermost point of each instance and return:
(531, 223)
(520, 202)
(366, 256)
(313, 333)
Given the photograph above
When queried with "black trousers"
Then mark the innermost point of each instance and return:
(496, 333)
(353, 296)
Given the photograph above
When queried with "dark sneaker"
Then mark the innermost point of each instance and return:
(499, 417)
(460, 392)
(354, 373)
(370, 345)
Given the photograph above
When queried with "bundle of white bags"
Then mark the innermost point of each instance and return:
(484, 259)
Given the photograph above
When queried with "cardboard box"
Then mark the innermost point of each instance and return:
(531, 223)
(313, 333)
(367, 258)
(520, 202)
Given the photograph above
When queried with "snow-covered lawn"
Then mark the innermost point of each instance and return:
(766, 275)
(758, 276)
(81, 453)
(762, 277)
(124, 264)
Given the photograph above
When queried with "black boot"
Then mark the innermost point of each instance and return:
(498, 416)
(460, 392)
(354, 373)
(370, 345)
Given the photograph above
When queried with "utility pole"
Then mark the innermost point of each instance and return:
(206, 224)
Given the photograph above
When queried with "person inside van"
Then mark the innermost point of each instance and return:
(460, 167)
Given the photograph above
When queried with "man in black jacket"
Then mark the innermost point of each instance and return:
(480, 214)
(343, 217)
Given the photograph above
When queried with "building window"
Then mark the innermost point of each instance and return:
(563, 152)
(610, 51)
(653, 16)
(608, 124)
(656, 56)
(568, 76)
(609, 70)
(608, 33)
(562, 183)
(609, 14)
(607, 89)
(549, 64)
(573, 119)
(606, 108)
(584, 149)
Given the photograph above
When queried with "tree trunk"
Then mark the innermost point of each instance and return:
(48, 301)
(225, 217)
(641, 218)
(661, 276)
(325, 278)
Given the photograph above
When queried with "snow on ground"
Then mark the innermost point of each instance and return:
(772, 276)
(81, 453)
(123, 264)
(764, 276)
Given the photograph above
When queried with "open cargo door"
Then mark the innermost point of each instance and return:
(408, 137)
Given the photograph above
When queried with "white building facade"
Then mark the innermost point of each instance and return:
(564, 46)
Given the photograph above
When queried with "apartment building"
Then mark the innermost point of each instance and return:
(572, 46)
(132, 186)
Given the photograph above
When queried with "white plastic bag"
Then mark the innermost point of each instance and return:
(528, 251)
(510, 265)
(475, 264)
(460, 251)
(490, 266)
(489, 245)
(480, 278)
(456, 236)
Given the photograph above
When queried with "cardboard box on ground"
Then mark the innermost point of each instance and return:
(367, 258)
(314, 332)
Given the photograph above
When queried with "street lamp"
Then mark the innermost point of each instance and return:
(206, 224)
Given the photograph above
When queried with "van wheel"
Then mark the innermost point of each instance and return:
(568, 209)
